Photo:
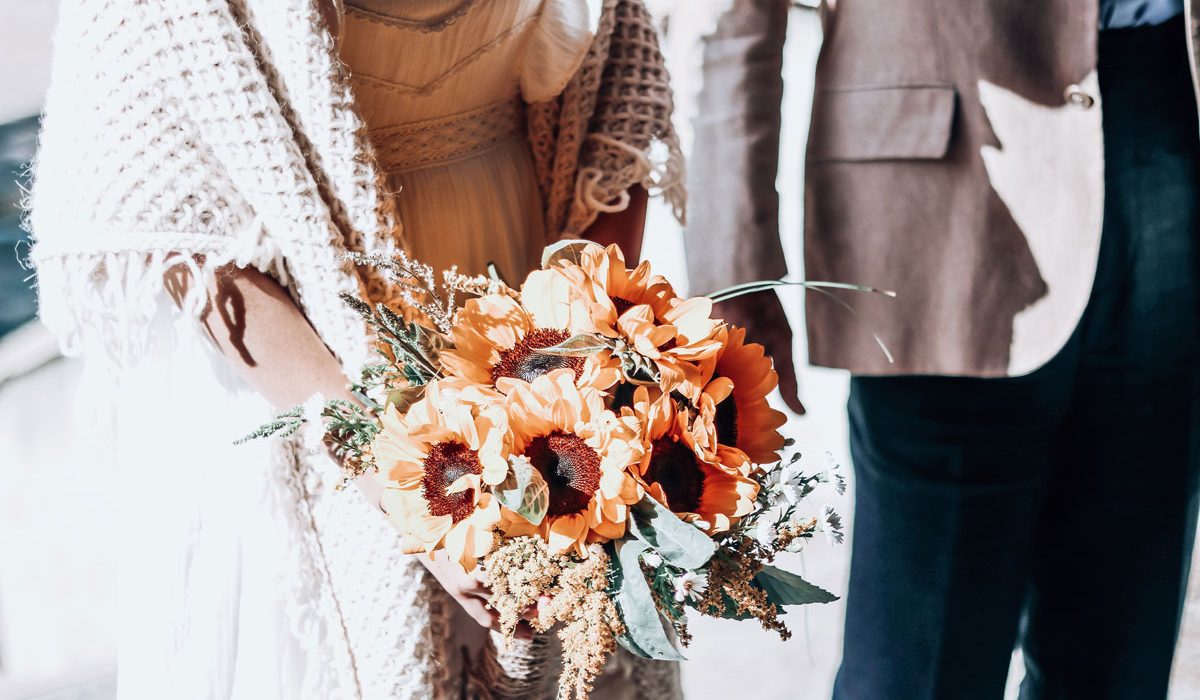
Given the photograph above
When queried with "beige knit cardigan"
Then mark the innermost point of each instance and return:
(207, 132)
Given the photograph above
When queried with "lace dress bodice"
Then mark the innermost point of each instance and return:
(442, 85)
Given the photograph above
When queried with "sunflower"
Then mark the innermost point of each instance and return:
(496, 343)
(434, 462)
(678, 471)
(583, 452)
(641, 309)
(735, 399)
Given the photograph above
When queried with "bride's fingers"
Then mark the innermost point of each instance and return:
(478, 610)
(534, 611)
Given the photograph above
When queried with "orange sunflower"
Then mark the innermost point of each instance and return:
(643, 310)
(583, 452)
(735, 399)
(496, 342)
(434, 462)
(679, 472)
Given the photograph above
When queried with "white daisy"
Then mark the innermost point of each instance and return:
(690, 586)
(831, 525)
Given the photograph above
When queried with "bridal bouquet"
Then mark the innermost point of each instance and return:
(590, 439)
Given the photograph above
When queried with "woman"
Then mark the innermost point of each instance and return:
(237, 149)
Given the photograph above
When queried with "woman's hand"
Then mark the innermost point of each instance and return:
(469, 589)
(471, 592)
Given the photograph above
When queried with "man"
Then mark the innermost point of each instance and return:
(1024, 175)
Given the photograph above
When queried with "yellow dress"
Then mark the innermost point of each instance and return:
(442, 86)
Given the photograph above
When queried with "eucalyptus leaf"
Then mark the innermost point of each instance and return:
(570, 250)
(680, 543)
(524, 491)
(785, 588)
(405, 397)
(582, 345)
(645, 634)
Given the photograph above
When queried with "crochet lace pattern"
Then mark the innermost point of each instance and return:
(202, 133)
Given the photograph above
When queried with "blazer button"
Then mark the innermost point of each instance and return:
(1076, 97)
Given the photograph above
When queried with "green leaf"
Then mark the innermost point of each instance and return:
(786, 588)
(405, 397)
(569, 250)
(645, 634)
(582, 345)
(524, 491)
(821, 288)
(684, 545)
(738, 290)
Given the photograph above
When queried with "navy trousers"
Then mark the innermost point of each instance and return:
(1055, 511)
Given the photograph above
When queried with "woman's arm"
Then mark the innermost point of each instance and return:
(268, 341)
(625, 227)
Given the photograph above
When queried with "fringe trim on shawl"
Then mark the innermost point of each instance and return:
(101, 301)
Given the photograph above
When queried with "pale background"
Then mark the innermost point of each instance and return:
(56, 585)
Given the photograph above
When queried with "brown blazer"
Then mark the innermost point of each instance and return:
(955, 156)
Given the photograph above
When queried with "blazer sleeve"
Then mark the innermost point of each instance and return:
(733, 210)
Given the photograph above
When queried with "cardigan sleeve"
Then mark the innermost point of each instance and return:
(611, 127)
(162, 145)
(123, 187)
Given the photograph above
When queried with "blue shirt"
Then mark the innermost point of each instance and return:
(1115, 14)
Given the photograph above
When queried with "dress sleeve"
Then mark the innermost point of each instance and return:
(557, 46)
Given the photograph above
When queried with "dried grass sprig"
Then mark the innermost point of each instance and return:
(731, 591)
(417, 286)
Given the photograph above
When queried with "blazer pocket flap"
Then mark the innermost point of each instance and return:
(882, 123)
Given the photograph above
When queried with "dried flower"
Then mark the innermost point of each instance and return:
(520, 571)
(731, 589)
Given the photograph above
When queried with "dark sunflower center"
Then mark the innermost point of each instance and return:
(523, 361)
(448, 462)
(622, 304)
(622, 396)
(570, 467)
(726, 421)
(673, 466)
